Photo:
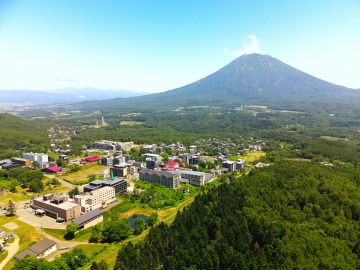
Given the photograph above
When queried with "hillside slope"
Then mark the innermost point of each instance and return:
(16, 133)
(250, 79)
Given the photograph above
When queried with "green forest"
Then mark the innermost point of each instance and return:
(292, 215)
(16, 133)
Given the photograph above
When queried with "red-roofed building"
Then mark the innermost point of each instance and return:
(52, 169)
(172, 164)
(92, 158)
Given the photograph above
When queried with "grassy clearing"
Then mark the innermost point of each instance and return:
(15, 197)
(249, 157)
(330, 138)
(130, 123)
(57, 233)
(91, 248)
(6, 219)
(3, 255)
(110, 252)
(81, 236)
(24, 194)
(28, 235)
(83, 174)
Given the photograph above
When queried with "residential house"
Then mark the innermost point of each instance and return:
(41, 249)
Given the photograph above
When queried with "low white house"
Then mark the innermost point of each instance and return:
(41, 249)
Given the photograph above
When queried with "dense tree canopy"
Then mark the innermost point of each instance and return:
(290, 215)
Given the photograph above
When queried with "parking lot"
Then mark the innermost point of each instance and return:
(38, 221)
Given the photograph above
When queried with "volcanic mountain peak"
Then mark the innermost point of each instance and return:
(249, 79)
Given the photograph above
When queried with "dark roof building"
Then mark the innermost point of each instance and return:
(41, 249)
(89, 219)
(119, 184)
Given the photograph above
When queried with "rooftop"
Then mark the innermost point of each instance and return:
(81, 220)
(64, 205)
(193, 172)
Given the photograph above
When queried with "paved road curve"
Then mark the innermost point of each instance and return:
(12, 249)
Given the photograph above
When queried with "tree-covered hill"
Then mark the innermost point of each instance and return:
(16, 133)
(291, 215)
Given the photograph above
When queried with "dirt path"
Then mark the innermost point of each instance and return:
(174, 214)
(12, 249)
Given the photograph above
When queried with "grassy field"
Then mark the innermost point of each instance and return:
(20, 196)
(82, 236)
(28, 235)
(109, 253)
(249, 157)
(330, 138)
(6, 219)
(83, 174)
(3, 255)
(90, 248)
(130, 123)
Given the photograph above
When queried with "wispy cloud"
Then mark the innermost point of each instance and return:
(226, 50)
(66, 80)
(252, 47)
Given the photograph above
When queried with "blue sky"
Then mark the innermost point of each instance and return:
(155, 45)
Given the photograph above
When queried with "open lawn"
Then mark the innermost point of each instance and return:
(330, 138)
(82, 175)
(20, 196)
(6, 219)
(249, 157)
(109, 253)
(90, 248)
(3, 255)
(130, 123)
(28, 235)
(81, 236)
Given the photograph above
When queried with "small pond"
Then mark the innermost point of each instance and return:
(132, 220)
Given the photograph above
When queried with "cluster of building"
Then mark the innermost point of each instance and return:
(171, 174)
(27, 159)
(232, 166)
(96, 195)
(107, 145)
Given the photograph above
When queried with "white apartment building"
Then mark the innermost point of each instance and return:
(36, 157)
(96, 199)
(195, 178)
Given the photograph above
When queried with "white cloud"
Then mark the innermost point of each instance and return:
(252, 47)
(226, 50)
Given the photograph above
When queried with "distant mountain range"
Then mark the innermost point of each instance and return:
(64, 95)
(250, 79)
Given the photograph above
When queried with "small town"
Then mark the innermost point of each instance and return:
(75, 194)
